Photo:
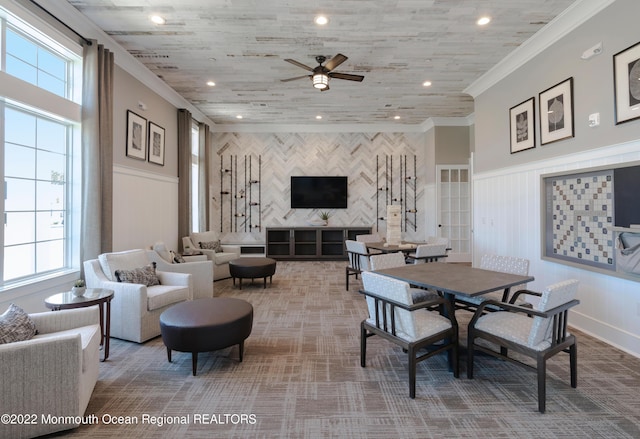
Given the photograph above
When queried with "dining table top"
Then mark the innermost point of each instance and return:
(392, 248)
(455, 279)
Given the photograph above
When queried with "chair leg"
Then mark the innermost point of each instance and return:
(573, 362)
(412, 373)
(542, 384)
(363, 346)
(470, 355)
(347, 278)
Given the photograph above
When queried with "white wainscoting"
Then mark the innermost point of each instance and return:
(145, 209)
(507, 220)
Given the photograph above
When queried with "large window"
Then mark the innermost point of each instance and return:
(38, 154)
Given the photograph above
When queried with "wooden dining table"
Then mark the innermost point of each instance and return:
(456, 279)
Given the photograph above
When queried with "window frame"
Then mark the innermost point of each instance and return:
(24, 96)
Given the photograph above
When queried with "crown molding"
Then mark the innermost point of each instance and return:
(88, 29)
(560, 26)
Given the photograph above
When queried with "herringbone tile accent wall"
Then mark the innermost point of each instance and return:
(356, 155)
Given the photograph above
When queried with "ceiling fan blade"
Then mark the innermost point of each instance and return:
(293, 79)
(335, 61)
(346, 76)
(299, 64)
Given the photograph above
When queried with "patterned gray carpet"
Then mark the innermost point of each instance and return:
(301, 378)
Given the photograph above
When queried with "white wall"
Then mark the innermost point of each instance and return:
(507, 216)
(507, 188)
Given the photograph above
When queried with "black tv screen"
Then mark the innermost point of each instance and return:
(318, 192)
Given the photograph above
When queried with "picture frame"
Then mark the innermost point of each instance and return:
(556, 112)
(522, 126)
(626, 65)
(156, 144)
(136, 136)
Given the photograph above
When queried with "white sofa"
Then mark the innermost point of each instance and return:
(202, 271)
(220, 258)
(53, 373)
(136, 308)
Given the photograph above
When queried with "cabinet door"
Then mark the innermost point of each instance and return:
(278, 242)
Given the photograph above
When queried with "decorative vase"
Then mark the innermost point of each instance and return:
(78, 291)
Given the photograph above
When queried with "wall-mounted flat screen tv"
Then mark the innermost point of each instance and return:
(308, 192)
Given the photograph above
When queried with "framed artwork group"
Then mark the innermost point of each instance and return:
(145, 140)
(555, 113)
(555, 105)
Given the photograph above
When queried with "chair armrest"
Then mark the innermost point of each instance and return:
(416, 258)
(41, 375)
(48, 322)
(231, 248)
(518, 293)
(179, 279)
(520, 309)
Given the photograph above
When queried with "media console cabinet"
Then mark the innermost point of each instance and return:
(310, 243)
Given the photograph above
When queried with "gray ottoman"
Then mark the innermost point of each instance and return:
(252, 268)
(205, 325)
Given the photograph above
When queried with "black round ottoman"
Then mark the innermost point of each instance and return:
(252, 268)
(205, 325)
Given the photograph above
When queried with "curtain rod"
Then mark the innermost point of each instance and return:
(87, 42)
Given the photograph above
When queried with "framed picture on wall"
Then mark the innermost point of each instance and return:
(522, 126)
(556, 112)
(626, 80)
(156, 144)
(136, 136)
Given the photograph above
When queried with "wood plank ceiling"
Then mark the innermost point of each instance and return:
(396, 44)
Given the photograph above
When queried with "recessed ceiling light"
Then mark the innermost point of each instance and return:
(157, 19)
(239, 116)
(318, 117)
(396, 117)
(482, 21)
(321, 20)
(211, 83)
(426, 83)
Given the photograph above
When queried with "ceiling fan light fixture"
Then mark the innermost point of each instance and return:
(320, 81)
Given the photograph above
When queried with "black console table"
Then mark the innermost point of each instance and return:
(310, 243)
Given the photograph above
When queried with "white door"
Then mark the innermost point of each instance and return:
(454, 210)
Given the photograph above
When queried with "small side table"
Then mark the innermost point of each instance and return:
(92, 296)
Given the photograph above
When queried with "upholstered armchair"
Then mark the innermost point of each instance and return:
(209, 244)
(201, 271)
(136, 307)
(539, 332)
(394, 317)
(358, 259)
(503, 264)
(53, 373)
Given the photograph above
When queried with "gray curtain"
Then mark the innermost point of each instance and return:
(203, 177)
(97, 152)
(184, 173)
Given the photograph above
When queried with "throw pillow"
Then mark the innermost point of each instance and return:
(212, 245)
(177, 258)
(16, 325)
(145, 275)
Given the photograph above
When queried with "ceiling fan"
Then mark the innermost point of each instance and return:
(320, 75)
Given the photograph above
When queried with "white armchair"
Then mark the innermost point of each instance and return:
(202, 271)
(52, 373)
(136, 307)
(219, 257)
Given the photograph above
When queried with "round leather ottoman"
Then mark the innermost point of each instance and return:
(252, 268)
(205, 325)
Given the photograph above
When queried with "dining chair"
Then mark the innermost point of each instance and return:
(502, 264)
(427, 253)
(393, 260)
(539, 337)
(369, 237)
(358, 259)
(394, 317)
